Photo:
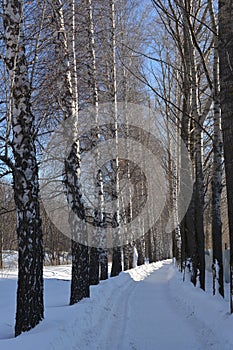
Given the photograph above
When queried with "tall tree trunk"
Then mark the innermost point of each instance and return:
(116, 257)
(199, 260)
(217, 168)
(225, 49)
(94, 251)
(30, 308)
(68, 100)
(187, 224)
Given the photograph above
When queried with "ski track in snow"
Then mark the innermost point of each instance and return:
(146, 308)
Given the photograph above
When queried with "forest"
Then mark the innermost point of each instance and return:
(116, 121)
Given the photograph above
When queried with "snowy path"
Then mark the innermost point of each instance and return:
(147, 308)
(156, 321)
(147, 318)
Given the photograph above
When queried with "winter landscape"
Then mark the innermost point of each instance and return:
(116, 174)
(148, 307)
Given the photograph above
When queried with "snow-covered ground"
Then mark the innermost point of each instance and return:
(147, 308)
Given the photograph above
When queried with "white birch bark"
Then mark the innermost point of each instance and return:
(30, 309)
(116, 265)
(217, 166)
(68, 101)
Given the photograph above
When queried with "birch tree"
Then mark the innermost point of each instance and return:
(116, 257)
(30, 307)
(217, 165)
(225, 50)
(66, 55)
(98, 256)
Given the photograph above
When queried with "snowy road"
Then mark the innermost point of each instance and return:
(154, 321)
(146, 317)
(147, 308)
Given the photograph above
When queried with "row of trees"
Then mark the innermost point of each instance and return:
(48, 79)
(60, 58)
(189, 94)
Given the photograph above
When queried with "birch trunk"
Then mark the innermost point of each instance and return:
(225, 50)
(68, 100)
(116, 257)
(98, 256)
(217, 168)
(187, 224)
(94, 252)
(199, 257)
(30, 308)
